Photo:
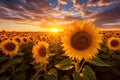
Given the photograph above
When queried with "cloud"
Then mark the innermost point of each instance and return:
(85, 12)
(71, 18)
(81, 7)
(46, 12)
(62, 1)
(101, 2)
(107, 16)
(77, 3)
(25, 8)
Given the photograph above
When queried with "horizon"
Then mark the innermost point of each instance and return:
(36, 15)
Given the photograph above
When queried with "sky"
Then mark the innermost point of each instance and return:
(41, 15)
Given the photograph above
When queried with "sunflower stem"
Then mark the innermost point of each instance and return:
(83, 62)
(45, 70)
(76, 63)
(44, 67)
(13, 69)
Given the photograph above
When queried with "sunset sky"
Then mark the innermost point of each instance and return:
(41, 15)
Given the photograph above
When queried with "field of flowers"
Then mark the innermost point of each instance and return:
(48, 56)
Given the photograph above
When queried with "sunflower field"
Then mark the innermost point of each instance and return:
(82, 52)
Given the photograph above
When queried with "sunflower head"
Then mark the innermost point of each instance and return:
(113, 43)
(31, 38)
(17, 39)
(40, 52)
(9, 47)
(43, 38)
(81, 40)
(24, 40)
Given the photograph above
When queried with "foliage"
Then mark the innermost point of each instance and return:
(105, 66)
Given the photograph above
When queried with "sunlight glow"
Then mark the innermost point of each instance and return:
(55, 30)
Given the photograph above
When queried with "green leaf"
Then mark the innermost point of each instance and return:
(16, 60)
(66, 64)
(36, 76)
(97, 62)
(4, 67)
(3, 58)
(76, 76)
(52, 74)
(116, 71)
(20, 76)
(22, 67)
(20, 54)
(4, 78)
(88, 73)
(116, 57)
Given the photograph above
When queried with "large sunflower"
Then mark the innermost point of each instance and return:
(9, 47)
(40, 52)
(81, 40)
(113, 43)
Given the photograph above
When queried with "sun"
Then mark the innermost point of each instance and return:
(55, 30)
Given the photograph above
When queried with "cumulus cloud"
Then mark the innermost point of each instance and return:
(101, 2)
(62, 1)
(24, 8)
(107, 16)
(70, 18)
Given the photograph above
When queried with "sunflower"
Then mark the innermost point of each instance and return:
(17, 39)
(31, 39)
(113, 43)
(40, 52)
(81, 40)
(9, 47)
(24, 40)
(43, 38)
(116, 34)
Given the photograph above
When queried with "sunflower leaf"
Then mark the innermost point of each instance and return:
(4, 78)
(66, 64)
(88, 73)
(52, 74)
(97, 62)
(116, 71)
(76, 76)
(3, 58)
(20, 76)
(4, 67)
(16, 60)
(22, 67)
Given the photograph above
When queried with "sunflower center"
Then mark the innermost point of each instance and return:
(114, 43)
(10, 46)
(24, 39)
(42, 51)
(0, 40)
(117, 34)
(17, 40)
(31, 38)
(81, 40)
(44, 39)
